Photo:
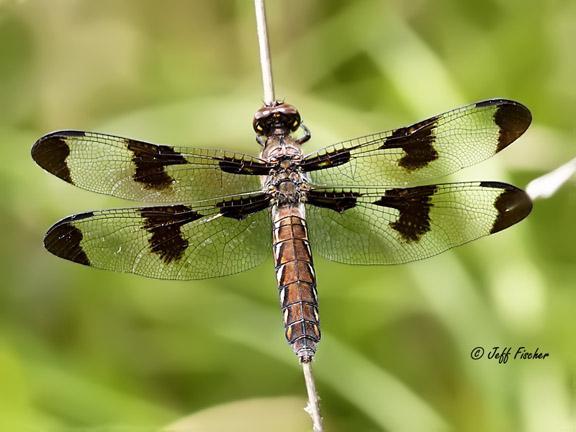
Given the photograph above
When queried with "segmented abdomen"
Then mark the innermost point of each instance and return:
(296, 280)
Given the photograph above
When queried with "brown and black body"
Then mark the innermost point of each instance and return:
(287, 184)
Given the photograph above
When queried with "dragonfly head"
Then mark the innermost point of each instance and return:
(277, 119)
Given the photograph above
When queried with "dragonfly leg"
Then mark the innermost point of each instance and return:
(307, 135)
(261, 139)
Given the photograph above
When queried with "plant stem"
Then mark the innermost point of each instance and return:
(265, 63)
(313, 407)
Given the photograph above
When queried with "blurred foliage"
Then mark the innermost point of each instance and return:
(83, 349)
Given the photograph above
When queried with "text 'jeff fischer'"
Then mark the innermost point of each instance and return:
(503, 354)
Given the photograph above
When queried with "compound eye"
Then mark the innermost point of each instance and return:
(258, 126)
(295, 123)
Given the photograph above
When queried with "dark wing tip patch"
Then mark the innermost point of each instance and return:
(513, 205)
(63, 240)
(512, 118)
(51, 152)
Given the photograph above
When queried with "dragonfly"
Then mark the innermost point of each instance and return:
(212, 213)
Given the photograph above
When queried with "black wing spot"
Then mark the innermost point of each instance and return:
(328, 160)
(164, 223)
(513, 205)
(414, 206)
(51, 152)
(513, 119)
(151, 161)
(241, 207)
(337, 201)
(417, 141)
(63, 239)
(239, 166)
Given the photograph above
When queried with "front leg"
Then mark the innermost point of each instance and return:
(261, 139)
(307, 135)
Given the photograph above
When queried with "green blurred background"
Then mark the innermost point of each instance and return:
(82, 349)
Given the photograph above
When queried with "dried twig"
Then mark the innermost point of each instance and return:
(548, 184)
(313, 407)
(265, 63)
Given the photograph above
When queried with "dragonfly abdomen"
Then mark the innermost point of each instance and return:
(296, 280)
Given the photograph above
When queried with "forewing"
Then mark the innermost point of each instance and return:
(137, 170)
(169, 242)
(393, 226)
(435, 147)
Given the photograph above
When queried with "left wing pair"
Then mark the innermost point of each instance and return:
(217, 225)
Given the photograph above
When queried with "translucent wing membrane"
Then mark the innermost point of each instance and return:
(137, 170)
(227, 227)
(183, 242)
(399, 225)
(431, 148)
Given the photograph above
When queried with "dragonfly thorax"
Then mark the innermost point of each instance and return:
(279, 149)
(287, 184)
(287, 187)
